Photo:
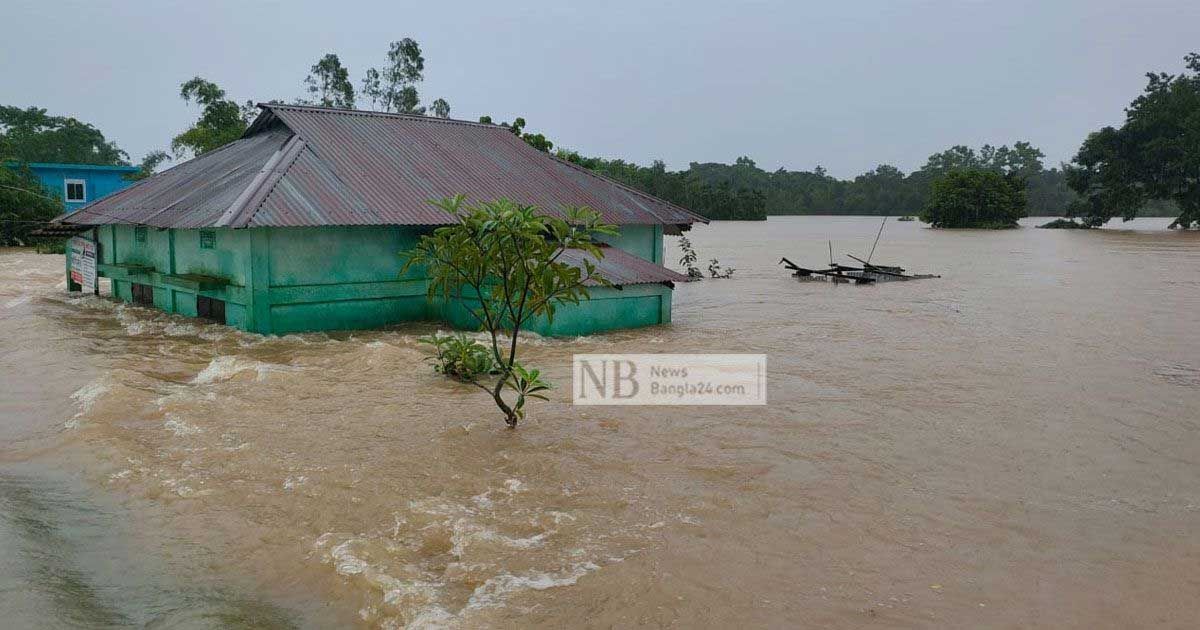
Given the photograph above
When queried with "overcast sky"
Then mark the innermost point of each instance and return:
(845, 84)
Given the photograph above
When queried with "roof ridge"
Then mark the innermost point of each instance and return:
(421, 118)
(311, 147)
(244, 207)
(379, 114)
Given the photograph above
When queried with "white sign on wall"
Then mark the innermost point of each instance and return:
(83, 263)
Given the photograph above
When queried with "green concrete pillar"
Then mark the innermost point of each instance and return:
(657, 256)
(258, 289)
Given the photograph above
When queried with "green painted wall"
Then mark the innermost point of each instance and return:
(174, 253)
(644, 241)
(342, 277)
(282, 280)
(608, 309)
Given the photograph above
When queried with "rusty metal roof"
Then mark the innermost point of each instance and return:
(310, 166)
(623, 268)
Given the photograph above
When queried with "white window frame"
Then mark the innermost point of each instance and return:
(67, 188)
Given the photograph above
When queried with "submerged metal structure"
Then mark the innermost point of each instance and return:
(866, 274)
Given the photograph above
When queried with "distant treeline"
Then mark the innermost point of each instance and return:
(721, 198)
(744, 191)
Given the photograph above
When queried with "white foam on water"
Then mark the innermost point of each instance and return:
(89, 301)
(560, 517)
(496, 590)
(213, 333)
(176, 329)
(400, 593)
(225, 367)
(19, 301)
(183, 395)
(291, 483)
(432, 618)
(483, 500)
(344, 560)
(120, 475)
(183, 490)
(465, 533)
(135, 323)
(180, 428)
(85, 397)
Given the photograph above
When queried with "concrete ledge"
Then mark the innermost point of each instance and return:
(315, 293)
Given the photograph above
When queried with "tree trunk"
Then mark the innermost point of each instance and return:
(510, 416)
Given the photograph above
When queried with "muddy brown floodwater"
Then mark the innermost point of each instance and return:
(1015, 444)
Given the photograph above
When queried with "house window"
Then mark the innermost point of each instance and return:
(210, 309)
(142, 294)
(76, 190)
(208, 239)
(139, 234)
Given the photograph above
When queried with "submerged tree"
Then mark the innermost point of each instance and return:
(328, 83)
(1155, 155)
(502, 262)
(975, 199)
(689, 258)
(221, 120)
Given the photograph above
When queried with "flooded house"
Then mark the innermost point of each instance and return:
(300, 224)
(77, 184)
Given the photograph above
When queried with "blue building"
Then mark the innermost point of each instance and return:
(81, 184)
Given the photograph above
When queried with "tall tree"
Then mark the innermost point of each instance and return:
(441, 108)
(394, 86)
(372, 88)
(1023, 160)
(31, 135)
(221, 120)
(1154, 156)
(956, 157)
(149, 163)
(328, 83)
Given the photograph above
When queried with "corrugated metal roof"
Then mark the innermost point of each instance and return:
(315, 166)
(623, 268)
(193, 194)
